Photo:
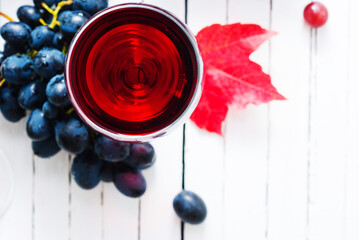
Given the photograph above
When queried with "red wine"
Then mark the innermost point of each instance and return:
(133, 70)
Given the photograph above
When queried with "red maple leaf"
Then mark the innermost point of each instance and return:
(231, 79)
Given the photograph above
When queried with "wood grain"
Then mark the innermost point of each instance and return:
(287, 170)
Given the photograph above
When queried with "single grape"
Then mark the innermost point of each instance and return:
(38, 127)
(48, 62)
(72, 21)
(190, 207)
(32, 95)
(107, 171)
(58, 41)
(9, 106)
(10, 49)
(45, 148)
(315, 14)
(50, 111)
(90, 6)
(29, 15)
(17, 69)
(56, 91)
(86, 170)
(41, 37)
(63, 15)
(129, 181)
(16, 33)
(72, 135)
(111, 150)
(142, 155)
(2, 57)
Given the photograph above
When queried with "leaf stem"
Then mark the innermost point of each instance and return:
(68, 112)
(2, 82)
(64, 49)
(54, 13)
(32, 53)
(6, 16)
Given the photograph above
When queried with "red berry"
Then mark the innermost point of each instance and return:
(315, 14)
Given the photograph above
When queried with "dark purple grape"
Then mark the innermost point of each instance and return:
(56, 91)
(72, 135)
(16, 33)
(32, 95)
(2, 57)
(111, 150)
(107, 171)
(129, 182)
(72, 21)
(48, 62)
(17, 69)
(29, 15)
(9, 106)
(190, 207)
(90, 6)
(38, 127)
(142, 156)
(45, 148)
(50, 111)
(41, 37)
(86, 170)
(10, 49)
(58, 41)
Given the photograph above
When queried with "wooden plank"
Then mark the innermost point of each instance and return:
(119, 213)
(164, 179)
(86, 213)
(204, 151)
(51, 197)
(246, 145)
(16, 145)
(288, 142)
(352, 195)
(328, 171)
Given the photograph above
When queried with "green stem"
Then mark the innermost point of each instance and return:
(71, 110)
(54, 13)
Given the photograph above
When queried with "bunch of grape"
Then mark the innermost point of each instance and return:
(32, 66)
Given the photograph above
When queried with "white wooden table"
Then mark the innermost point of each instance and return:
(284, 171)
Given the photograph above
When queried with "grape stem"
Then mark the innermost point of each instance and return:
(32, 53)
(64, 49)
(54, 13)
(6, 16)
(2, 82)
(68, 112)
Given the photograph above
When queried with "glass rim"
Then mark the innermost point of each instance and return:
(146, 136)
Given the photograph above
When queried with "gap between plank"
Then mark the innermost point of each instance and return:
(70, 196)
(312, 89)
(102, 212)
(33, 197)
(184, 134)
(266, 230)
(139, 220)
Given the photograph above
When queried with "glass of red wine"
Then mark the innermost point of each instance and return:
(134, 72)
